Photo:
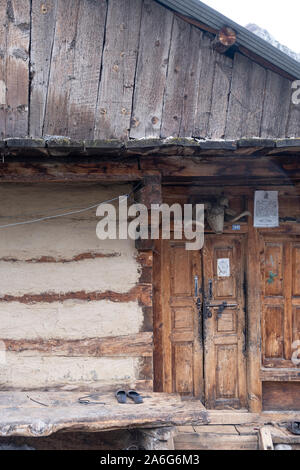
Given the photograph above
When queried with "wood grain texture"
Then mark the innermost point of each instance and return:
(17, 67)
(220, 97)
(158, 410)
(60, 172)
(175, 84)
(205, 88)
(114, 104)
(246, 99)
(276, 106)
(192, 78)
(3, 86)
(152, 69)
(75, 68)
(293, 128)
(214, 441)
(138, 345)
(84, 79)
(281, 396)
(254, 387)
(43, 24)
(115, 69)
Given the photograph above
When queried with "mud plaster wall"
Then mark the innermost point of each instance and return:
(70, 304)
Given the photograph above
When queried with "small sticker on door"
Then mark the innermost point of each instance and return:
(224, 267)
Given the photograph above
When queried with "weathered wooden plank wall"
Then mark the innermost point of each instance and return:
(76, 312)
(108, 69)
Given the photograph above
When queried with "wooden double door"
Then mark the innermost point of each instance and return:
(202, 321)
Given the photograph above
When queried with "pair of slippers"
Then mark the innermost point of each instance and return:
(121, 396)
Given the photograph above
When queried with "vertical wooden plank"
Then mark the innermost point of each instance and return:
(61, 68)
(265, 439)
(88, 46)
(220, 94)
(175, 85)
(118, 69)
(288, 307)
(246, 99)
(276, 106)
(205, 87)
(158, 350)
(293, 128)
(3, 85)
(254, 317)
(198, 333)
(17, 67)
(42, 37)
(152, 70)
(167, 320)
(75, 68)
(189, 107)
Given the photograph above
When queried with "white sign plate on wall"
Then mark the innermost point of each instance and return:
(266, 213)
(223, 267)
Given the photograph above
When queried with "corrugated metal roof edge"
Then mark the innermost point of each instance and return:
(207, 15)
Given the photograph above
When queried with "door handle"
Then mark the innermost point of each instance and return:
(210, 289)
(196, 279)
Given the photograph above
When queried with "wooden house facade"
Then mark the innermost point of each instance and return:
(104, 98)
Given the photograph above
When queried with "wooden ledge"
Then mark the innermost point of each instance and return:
(61, 411)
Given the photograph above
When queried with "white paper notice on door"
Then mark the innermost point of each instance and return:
(266, 212)
(223, 267)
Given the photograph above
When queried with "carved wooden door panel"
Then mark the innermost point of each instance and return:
(203, 356)
(182, 349)
(224, 322)
(280, 268)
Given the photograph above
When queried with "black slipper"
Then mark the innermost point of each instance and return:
(121, 396)
(294, 427)
(135, 396)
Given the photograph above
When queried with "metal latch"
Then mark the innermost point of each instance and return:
(221, 307)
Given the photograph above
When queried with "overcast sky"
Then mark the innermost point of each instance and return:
(280, 17)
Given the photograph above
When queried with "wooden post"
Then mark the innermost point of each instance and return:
(150, 193)
(253, 317)
(265, 439)
(225, 39)
(157, 439)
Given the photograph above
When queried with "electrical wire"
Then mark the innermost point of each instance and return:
(64, 214)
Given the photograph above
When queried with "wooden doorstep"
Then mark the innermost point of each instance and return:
(61, 411)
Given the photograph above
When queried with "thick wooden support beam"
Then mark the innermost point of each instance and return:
(176, 167)
(225, 39)
(254, 318)
(265, 439)
(40, 414)
(61, 172)
(157, 439)
(150, 193)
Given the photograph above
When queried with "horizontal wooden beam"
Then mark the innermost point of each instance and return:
(111, 171)
(61, 411)
(141, 293)
(138, 345)
(280, 375)
(229, 167)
